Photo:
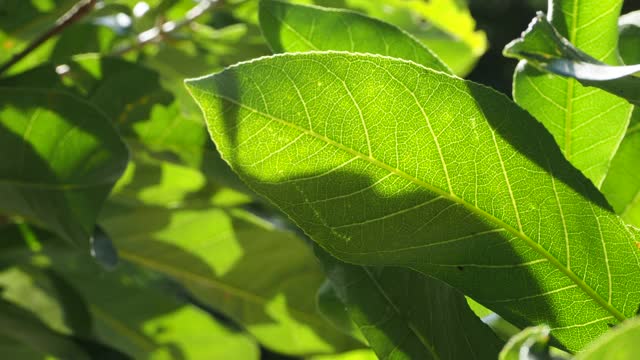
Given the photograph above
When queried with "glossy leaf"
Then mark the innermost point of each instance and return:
(261, 277)
(60, 157)
(544, 48)
(406, 315)
(360, 149)
(588, 124)
(621, 343)
(298, 28)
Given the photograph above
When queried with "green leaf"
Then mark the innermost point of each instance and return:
(21, 326)
(351, 355)
(335, 311)
(261, 277)
(588, 124)
(544, 48)
(618, 344)
(622, 185)
(379, 159)
(444, 26)
(298, 28)
(59, 159)
(406, 315)
(149, 324)
(530, 344)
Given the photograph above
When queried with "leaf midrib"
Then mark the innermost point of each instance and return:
(451, 197)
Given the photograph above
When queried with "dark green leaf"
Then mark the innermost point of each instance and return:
(406, 315)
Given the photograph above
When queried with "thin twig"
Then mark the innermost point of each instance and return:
(159, 31)
(78, 11)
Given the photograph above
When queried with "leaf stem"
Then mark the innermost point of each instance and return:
(158, 32)
(77, 12)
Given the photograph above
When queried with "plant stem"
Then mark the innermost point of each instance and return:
(78, 11)
(159, 31)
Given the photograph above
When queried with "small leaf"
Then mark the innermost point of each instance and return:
(377, 160)
(298, 28)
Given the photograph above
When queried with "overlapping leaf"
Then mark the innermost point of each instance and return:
(588, 124)
(384, 162)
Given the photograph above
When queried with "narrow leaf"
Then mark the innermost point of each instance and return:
(530, 344)
(59, 159)
(587, 123)
(406, 315)
(298, 28)
(378, 159)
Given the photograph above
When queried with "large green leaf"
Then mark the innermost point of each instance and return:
(406, 315)
(384, 162)
(59, 158)
(298, 28)
(544, 48)
(588, 124)
(261, 277)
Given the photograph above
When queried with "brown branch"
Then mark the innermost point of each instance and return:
(158, 32)
(78, 11)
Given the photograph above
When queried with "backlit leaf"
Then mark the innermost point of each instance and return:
(379, 159)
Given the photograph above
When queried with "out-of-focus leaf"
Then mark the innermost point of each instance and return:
(150, 324)
(444, 26)
(23, 327)
(60, 157)
(621, 343)
(351, 355)
(406, 315)
(298, 28)
(544, 48)
(261, 277)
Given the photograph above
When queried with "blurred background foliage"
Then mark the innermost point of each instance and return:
(188, 263)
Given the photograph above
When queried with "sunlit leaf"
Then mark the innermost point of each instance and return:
(379, 159)
(587, 123)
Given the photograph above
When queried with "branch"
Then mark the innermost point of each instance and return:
(78, 11)
(159, 31)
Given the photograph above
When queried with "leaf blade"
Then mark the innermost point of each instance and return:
(411, 190)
